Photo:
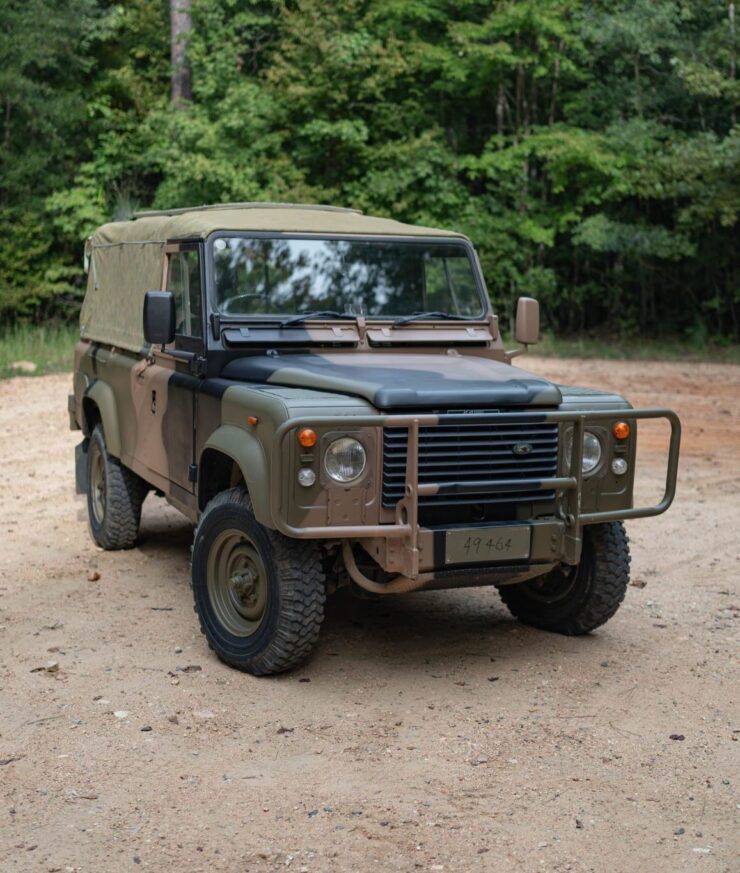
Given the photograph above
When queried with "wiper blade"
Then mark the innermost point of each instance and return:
(318, 313)
(417, 316)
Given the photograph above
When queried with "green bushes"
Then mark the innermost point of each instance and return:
(590, 149)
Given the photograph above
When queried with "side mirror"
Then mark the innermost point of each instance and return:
(527, 321)
(159, 317)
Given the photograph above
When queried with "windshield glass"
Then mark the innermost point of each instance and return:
(257, 276)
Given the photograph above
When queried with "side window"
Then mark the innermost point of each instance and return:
(183, 280)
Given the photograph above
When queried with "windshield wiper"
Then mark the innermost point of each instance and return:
(417, 316)
(318, 313)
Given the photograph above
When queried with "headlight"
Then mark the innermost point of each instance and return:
(591, 450)
(345, 460)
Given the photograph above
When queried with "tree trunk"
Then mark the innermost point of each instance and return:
(181, 24)
(731, 18)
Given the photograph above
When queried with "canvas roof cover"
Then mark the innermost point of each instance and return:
(126, 257)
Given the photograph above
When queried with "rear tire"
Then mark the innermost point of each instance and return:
(114, 497)
(259, 595)
(576, 600)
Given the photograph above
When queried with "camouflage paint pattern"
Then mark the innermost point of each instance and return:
(191, 435)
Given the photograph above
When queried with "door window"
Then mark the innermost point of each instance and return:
(183, 280)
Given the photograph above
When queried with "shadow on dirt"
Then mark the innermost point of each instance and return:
(405, 632)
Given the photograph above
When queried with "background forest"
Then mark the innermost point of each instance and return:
(590, 148)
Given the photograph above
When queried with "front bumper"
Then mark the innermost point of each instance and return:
(405, 527)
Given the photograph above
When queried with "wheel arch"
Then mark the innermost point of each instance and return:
(229, 456)
(99, 404)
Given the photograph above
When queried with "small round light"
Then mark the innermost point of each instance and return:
(591, 450)
(621, 430)
(306, 477)
(307, 437)
(619, 466)
(345, 460)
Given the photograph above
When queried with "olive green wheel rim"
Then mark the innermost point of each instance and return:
(237, 582)
(555, 586)
(97, 485)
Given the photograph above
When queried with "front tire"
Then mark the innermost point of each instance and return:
(114, 497)
(576, 600)
(259, 595)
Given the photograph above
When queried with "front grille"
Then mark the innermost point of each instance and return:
(472, 453)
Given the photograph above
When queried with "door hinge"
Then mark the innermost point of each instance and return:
(198, 366)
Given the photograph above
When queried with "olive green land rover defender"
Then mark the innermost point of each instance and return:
(327, 397)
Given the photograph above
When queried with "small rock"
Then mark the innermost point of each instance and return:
(493, 678)
(173, 719)
(304, 679)
(93, 576)
(190, 668)
(146, 728)
(122, 713)
(604, 663)
(204, 714)
(312, 813)
(49, 667)
(482, 759)
(178, 650)
(638, 583)
(678, 737)
(679, 831)
(285, 730)
(579, 824)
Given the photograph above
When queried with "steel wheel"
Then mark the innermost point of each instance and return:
(554, 586)
(237, 582)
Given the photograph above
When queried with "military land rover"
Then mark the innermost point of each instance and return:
(328, 398)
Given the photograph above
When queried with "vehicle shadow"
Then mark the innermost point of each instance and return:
(439, 630)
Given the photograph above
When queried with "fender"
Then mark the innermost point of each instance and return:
(104, 399)
(247, 452)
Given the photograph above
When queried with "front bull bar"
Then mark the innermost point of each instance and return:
(406, 524)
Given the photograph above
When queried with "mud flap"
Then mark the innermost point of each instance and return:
(81, 480)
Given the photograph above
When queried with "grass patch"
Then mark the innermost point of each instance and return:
(675, 349)
(50, 349)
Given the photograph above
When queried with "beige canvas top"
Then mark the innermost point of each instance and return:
(199, 222)
(126, 257)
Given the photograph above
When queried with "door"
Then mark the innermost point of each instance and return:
(165, 391)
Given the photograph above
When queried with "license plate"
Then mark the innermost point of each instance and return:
(487, 544)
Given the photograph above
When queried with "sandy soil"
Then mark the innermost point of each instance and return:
(428, 732)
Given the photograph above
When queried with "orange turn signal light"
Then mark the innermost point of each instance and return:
(252, 419)
(621, 430)
(307, 437)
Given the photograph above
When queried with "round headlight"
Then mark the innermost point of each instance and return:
(345, 460)
(591, 450)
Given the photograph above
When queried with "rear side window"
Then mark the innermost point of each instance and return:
(183, 280)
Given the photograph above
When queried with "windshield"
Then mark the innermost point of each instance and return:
(258, 276)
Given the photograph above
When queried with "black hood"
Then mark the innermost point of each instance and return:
(401, 381)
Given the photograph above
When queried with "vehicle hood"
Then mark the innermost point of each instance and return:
(401, 381)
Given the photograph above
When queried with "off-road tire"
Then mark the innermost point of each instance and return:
(295, 590)
(115, 524)
(581, 600)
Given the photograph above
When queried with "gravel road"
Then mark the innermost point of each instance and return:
(428, 732)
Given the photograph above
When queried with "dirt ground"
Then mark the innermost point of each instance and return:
(428, 732)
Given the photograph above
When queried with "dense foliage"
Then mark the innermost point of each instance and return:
(590, 148)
